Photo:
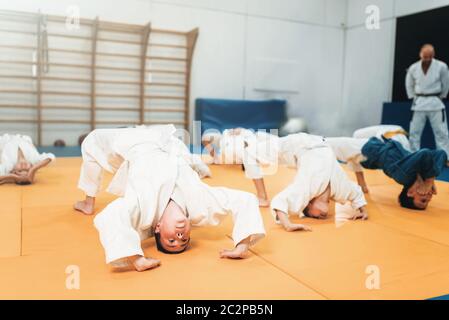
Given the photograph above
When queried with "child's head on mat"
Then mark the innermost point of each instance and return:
(411, 199)
(318, 208)
(172, 233)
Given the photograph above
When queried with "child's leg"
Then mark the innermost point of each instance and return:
(91, 175)
(361, 181)
(89, 182)
(86, 206)
(209, 147)
(261, 193)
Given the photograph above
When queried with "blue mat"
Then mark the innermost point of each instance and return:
(441, 298)
(62, 151)
(221, 114)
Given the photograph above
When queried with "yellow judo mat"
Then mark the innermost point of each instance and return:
(42, 239)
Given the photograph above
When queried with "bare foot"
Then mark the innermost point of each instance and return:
(264, 203)
(142, 264)
(85, 207)
(297, 227)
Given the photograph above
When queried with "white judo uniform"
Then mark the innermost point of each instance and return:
(393, 132)
(155, 170)
(231, 149)
(99, 155)
(9, 147)
(317, 168)
(427, 92)
(349, 150)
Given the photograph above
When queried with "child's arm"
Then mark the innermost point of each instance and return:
(10, 178)
(261, 193)
(36, 167)
(288, 226)
(361, 181)
(209, 147)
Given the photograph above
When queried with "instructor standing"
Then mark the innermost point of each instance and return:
(427, 83)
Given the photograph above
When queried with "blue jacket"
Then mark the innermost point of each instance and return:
(400, 164)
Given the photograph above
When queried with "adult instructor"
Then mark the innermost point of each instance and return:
(427, 83)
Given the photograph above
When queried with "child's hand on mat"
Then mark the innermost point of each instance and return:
(362, 214)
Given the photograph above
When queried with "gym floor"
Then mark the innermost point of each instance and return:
(41, 235)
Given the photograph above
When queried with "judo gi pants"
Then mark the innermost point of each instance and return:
(94, 159)
(438, 121)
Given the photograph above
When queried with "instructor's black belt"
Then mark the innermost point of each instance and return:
(429, 95)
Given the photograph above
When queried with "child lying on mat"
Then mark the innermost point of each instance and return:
(20, 160)
(319, 179)
(415, 171)
(99, 155)
(162, 196)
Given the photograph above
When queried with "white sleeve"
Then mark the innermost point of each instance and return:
(118, 236)
(212, 204)
(252, 167)
(445, 81)
(294, 198)
(194, 160)
(246, 216)
(356, 196)
(410, 84)
(3, 170)
(347, 190)
(44, 156)
(354, 165)
(33, 155)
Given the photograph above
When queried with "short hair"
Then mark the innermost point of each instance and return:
(81, 138)
(306, 212)
(160, 247)
(406, 201)
(23, 183)
(59, 143)
(428, 45)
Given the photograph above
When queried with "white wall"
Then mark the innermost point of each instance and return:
(369, 59)
(306, 34)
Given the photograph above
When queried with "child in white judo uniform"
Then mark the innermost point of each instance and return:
(318, 180)
(349, 150)
(229, 148)
(162, 197)
(20, 160)
(99, 155)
